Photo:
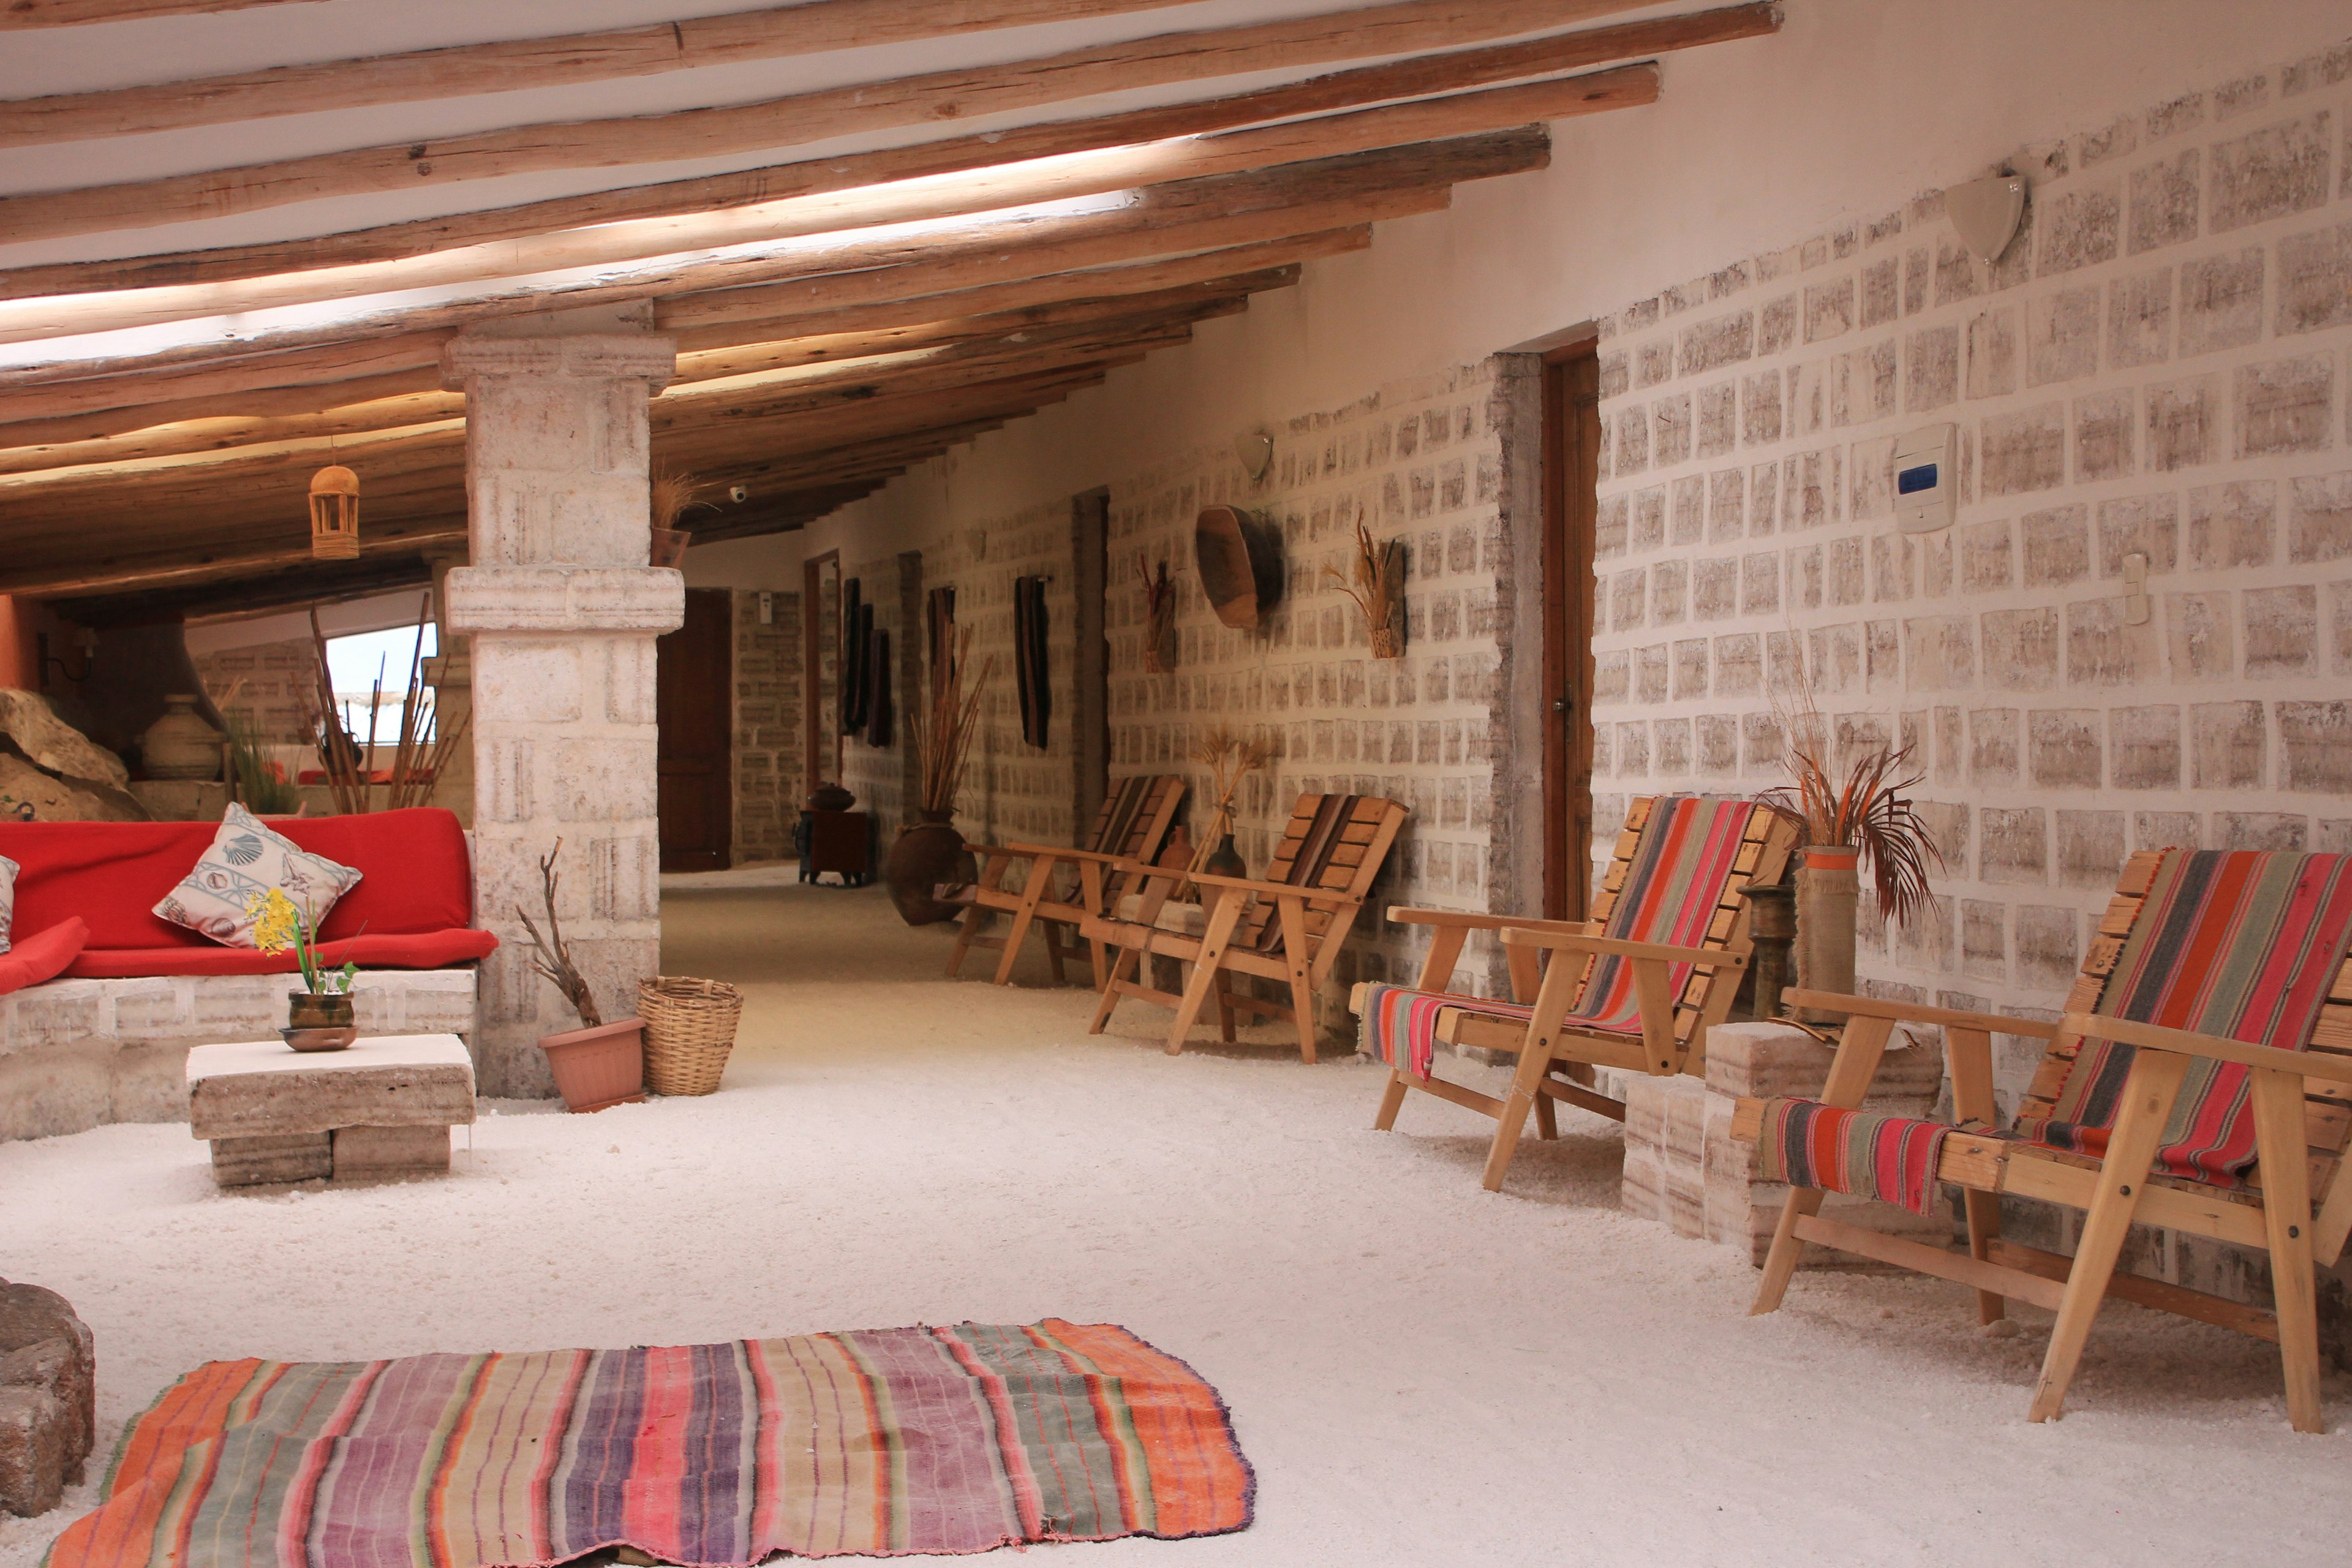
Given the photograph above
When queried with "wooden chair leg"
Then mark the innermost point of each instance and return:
(1787, 1248)
(1534, 1062)
(1196, 996)
(1391, 1102)
(1224, 1014)
(1054, 954)
(2280, 1137)
(1546, 1117)
(1110, 989)
(1983, 1210)
(1023, 919)
(972, 920)
(2148, 1099)
(1102, 967)
(1297, 957)
(1302, 1017)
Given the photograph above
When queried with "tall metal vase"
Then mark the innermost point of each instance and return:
(1829, 902)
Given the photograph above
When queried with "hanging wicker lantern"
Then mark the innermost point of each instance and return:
(334, 515)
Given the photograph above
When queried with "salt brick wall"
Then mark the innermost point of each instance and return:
(2156, 365)
(767, 782)
(275, 674)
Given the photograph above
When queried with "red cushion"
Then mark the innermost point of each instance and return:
(425, 950)
(416, 877)
(41, 956)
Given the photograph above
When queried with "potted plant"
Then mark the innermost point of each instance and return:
(597, 1065)
(930, 852)
(670, 493)
(1854, 815)
(1229, 759)
(319, 1017)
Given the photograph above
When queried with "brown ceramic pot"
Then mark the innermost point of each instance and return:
(316, 1022)
(929, 852)
(598, 1067)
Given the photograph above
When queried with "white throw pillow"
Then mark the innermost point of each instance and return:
(7, 898)
(247, 860)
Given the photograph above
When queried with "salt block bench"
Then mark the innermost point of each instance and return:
(105, 1041)
(384, 1107)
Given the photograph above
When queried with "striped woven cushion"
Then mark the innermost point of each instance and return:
(2239, 944)
(1892, 1158)
(1399, 1026)
(1673, 885)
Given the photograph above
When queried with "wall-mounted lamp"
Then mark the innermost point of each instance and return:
(1985, 213)
(85, 639)
(767, 609)
(1256, 452)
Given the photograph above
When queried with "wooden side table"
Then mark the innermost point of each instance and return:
(841, 842)
(382, 1108)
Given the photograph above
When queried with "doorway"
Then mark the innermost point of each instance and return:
(694, 682)
(1090, 661)
(1571, 439)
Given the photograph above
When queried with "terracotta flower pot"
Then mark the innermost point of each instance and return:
(598, 1067)
(928, 853)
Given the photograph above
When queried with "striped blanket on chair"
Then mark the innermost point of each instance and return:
(898, 1441)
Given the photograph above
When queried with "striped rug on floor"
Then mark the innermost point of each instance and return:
(893, 1441)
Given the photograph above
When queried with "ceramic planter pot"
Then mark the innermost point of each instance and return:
(598, 1067)
(181, 745)
(928, 853)
(319, 1023)
(1829, 900)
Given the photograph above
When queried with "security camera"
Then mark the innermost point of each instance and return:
(738, 494)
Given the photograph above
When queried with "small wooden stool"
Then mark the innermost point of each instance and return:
(382, 1108)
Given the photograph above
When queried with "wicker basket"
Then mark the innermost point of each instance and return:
(690, 1029)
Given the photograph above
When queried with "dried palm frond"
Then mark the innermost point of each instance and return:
(1379, 590)
(943, 741)
(1861, 804)
(672, 492)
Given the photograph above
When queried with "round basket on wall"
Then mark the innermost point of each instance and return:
(689, 1030)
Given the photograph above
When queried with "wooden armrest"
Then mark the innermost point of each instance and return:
(996, 851)
(1272, 889)
(1919, 1012)
(2324, 1066)
(1096, 855)
(1404, 914)
(1040, 851)
(1573, 941)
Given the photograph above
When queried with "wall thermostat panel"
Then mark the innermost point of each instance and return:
(1926, 480)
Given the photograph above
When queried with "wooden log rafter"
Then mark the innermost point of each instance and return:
(1412, 78)
(27, 14)
(1409, 27)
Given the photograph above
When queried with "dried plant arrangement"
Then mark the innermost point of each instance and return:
(414, 762)
(1861, 803)
(1230, 758)
(1379, 591)
(943, 741)
(670, 493)
(550, 956)
(256, 782)
(1159, 613)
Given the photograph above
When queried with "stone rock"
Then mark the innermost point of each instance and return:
(49, 1408)
(54, 745)
(56, 799)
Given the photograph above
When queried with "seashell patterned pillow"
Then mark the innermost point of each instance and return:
(8, 869)
(247, 860)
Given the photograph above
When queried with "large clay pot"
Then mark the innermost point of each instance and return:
(1829, 899)
(181, 745)
(829, 797)
(929, 852)
(598, 1067)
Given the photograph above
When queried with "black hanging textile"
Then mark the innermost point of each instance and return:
(857, 628)
(878, 688)
(1029, 659)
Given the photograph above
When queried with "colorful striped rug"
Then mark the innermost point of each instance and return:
(884, 1443)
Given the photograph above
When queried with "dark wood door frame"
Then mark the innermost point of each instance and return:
(1571, 436)
(1090, 676)
(820, 741)
(695, 704)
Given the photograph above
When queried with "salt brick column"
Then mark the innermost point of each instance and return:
(562, 612)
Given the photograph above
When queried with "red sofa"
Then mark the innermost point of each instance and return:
(413, 909)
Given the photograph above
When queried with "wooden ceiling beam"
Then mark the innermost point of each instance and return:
(490, 272)
(172, 568)
(509, 65)
(315, 583)
(29, 13)
(48, 392)
(1408, 26)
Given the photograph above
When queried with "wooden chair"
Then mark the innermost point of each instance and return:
(1636, 987)
(1133, 824)
(2200, 1080)
(1287, 927)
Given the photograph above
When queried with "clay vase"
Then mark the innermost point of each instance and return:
(598, 1067)
(930, 851)
(181, 745)
(1225, 860)
(829, 797)
(1829, 899)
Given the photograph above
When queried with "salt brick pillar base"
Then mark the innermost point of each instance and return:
(560, 611)
(1682, 1166)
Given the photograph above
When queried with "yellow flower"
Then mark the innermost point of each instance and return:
(275, 926)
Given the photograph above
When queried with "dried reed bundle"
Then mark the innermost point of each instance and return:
(1159, 612)
(1379, 591)
(943, 741)
(672, 491)
(1230, 758)
(416, 762)
(1862, 805)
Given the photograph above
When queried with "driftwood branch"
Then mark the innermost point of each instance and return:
(550, 956)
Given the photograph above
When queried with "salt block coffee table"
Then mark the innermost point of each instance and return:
(382, 1108)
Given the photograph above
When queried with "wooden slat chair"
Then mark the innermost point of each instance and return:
(2200, 1080)
(1636, 987)
(1289, 926)
(1133, 824)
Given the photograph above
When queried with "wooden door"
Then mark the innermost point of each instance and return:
(693, 686)
(820, 669)
(1571, 507)
(1090, 672)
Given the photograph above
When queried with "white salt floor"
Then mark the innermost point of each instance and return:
(1421, 1373)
